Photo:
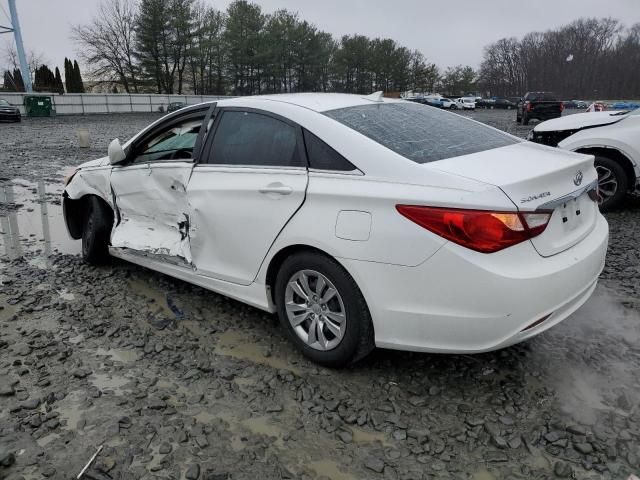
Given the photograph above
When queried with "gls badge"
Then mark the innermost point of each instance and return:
(577, 180)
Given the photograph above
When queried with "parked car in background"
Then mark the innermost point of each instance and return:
(581, 104)
(175, 106)
(466, 103)
(9, 112)
(539, 105)
(569, 104)
(504, 104)
(484, 103)
(613, 138)
(447, 103)
(362, 221)
(433, 101)
(625, 106)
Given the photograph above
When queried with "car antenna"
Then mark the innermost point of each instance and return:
(375, 97)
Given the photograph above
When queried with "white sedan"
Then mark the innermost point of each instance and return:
(614, 140)
(361, 221)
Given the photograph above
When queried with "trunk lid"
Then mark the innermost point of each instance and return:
(536, 177)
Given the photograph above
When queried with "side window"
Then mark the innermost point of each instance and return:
(247, 138)
(323, 157)
(173, 143)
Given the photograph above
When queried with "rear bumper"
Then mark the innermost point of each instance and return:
(461, 301)
(543, 115)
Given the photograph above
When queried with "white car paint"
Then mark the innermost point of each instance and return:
(424, 293)
(579, 120)
(448, 103)
(465, 103)
(614, 130)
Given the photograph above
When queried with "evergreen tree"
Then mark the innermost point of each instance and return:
(58, 86)
(18, 80)
(68, 75)
(77, 78)
(8, 83)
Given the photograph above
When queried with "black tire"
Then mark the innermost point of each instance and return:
(617, 175)
(518, 118)
(358, 338)
(525, 119)
(96, 230)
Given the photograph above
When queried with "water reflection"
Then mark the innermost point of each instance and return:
(31, 221)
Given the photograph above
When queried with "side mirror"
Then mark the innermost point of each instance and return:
(116, 152)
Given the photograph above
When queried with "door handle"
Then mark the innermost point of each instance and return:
(277, 188)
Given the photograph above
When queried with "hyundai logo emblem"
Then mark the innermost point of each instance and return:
(577, 180)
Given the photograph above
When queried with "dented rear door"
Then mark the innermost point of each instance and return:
(251, 180)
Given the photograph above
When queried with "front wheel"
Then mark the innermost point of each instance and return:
(612, 183)
(322, 310)
(95, 232)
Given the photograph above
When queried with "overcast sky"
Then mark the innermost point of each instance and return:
(448, 32)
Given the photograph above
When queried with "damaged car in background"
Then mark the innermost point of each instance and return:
(613, 138)
(361, 221)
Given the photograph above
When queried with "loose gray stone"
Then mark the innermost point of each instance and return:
(374, 463)
(562, 469)
(193, 472)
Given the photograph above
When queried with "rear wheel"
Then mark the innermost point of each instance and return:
(322, 310)
(612, 183)
(95, 232)
(525, 119)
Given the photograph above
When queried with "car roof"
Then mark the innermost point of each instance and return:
(318, 102)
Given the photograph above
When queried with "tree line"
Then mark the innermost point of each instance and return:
(588, 58)
(45, 80)
(178, 46)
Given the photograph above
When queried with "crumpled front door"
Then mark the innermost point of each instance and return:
(151, 204)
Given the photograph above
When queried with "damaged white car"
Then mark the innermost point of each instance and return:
(361, 221)
(613, 138)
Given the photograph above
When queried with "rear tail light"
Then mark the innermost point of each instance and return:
(529, 106)
(594, 194)
(561, 107)
(480, 230)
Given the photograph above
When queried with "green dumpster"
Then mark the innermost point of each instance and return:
(38, 106)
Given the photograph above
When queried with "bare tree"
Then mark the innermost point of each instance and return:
(34, 60)
(107, 43)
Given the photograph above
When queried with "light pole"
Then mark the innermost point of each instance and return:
(17, 34)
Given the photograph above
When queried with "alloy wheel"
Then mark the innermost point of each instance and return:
(315, 310)
(607, 183)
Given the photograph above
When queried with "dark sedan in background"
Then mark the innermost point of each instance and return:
(9, 112)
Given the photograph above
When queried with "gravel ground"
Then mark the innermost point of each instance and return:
(177, 382)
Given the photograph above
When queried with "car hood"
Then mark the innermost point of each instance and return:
(580, 120)
(98, 162)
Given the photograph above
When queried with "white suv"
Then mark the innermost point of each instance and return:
(466, 103)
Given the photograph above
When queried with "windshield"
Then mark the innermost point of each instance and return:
(4, 103)
(421, 134)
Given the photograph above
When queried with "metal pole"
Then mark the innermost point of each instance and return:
(24, 67)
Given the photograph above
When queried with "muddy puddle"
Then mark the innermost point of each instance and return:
(31, 222)
(238, 344)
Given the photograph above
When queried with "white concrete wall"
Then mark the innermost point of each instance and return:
(82, 103)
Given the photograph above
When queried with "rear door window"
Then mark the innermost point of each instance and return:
(419, 133)
(249, 138)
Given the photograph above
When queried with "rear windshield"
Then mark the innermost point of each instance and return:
(421, 133)
(542, 97)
